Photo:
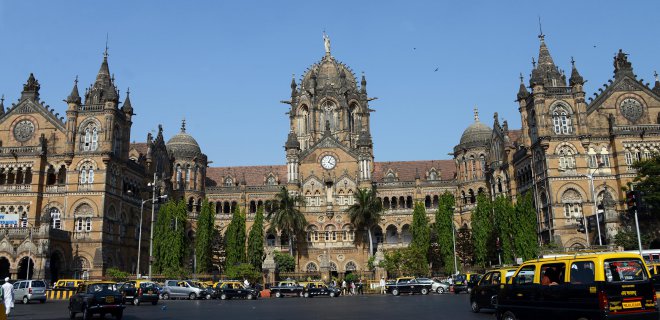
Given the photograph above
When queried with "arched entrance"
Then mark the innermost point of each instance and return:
(4, 267)
(24, 265)
(55, 266)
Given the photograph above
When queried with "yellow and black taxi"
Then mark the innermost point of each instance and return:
(287, 288)
(486, 289)
(138, 291)
(654, 269)
(235, 289)
(96, 297)
(408, 285)
(67, 284)
(318, 288)
(579, 286)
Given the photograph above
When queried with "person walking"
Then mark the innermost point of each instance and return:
(343, 287)
(360, 287)
(352, 288)
(382, 285)
(8, 296)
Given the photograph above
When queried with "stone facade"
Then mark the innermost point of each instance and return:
(78, 184)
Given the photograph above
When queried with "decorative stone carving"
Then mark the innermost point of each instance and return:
(340, 257)
(23, 130)
(631, 109)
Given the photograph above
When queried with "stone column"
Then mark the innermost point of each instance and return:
(268, 266)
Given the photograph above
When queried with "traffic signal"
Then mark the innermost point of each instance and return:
(580, 227)
(632, 200)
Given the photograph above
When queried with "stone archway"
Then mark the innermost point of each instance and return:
(4, 267)
(56, 269)
(25, 268)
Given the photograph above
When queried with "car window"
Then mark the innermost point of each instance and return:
(16, 285)
(147, 285)
(486, 279)
(70, 284)
(38, 284)
(582, 272)
(171, 283)
(101, 287)
(624, 270)
(496, 278)
(553, 274)
(22, 285)
(526, 275)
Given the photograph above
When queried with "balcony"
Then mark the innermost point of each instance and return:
(558, 90)
(18, 151)
(16, 188)
(55, 189)
(20, 233)
(636, 129)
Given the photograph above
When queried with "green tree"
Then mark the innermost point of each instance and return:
(218, 250)
(627, 239)
(482, 230)
(648, 182)
(235, 239)
(255, 249)
(464, 247)
(244, 271)
(204, 237)
(421, 233)
(284, 262)
(405, 261)
(392, 263)
(169, 236)
(286, 215)
(526, 243)
(444, 219)
(506, 226)
(365, 212)
(117, 275)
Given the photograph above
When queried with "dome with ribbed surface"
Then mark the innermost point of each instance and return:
(477, 131)
(329, 72)
(183, 143)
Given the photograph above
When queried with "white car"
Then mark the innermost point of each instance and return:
(436, 286)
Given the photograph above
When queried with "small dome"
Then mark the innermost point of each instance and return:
(477, 131)
(329, 72)
(183, 144)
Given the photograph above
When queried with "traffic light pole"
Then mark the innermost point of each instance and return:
(639, 237)
(593, 194)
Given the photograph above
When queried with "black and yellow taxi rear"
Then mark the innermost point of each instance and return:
(140, 291)
(580, 286)
(96, 297)
(484, 292)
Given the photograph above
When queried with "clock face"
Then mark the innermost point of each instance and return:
(328, 162)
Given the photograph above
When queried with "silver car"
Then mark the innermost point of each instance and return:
(30, 290)
(182, 289)
(436, 286)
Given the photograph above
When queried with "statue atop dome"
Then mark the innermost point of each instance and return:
(326, 42)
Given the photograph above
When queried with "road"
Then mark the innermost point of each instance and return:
(417, 307)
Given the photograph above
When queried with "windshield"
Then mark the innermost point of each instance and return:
(624, 270)
(101, 287)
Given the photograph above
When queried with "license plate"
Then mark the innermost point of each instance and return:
(149, 292)
(634, 304)
(110, 299)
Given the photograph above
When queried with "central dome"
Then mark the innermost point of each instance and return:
(183, 144)
(477, 131)
(329, 72)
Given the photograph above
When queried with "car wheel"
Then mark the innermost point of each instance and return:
(223, 297)
(278, 294)
(332, 294)
(192, 296)
(86, 315)
(425, 291)
(469, 290)
(72, 315)
(136, 301)
(166, 296)
(26, 300)
(440, 290)
(475, 307)
(509, 316)
(153, 303)
(395, 292)
(119, 315)
(306, 294)
(208, 296)
(249, 296)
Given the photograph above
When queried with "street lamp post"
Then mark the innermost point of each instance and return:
(137, 268)
(151, 236)
(590, 176)
(30, 226)
(453, 238)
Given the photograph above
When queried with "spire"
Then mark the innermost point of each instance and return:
(476, 114)
(546, 72)
(292, 141)
(363, 83)
(74, 97)
(183, 125)
(576, 78)
(2, 105)
(656, 87)
(522, 90)
(103, 88)
(31, 89)
(293, 85)
(128, 108)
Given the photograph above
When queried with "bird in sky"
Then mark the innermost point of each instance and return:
(436, 69)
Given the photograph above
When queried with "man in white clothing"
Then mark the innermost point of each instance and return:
(382, 285)
(8, 294)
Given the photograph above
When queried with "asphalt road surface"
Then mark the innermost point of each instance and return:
(416, 307)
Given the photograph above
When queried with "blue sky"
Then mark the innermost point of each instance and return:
(225, 66)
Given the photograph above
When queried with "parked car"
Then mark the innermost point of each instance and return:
(96, 297)
(408, 285)
(236, 289)
(580, 286)
(318, 288)
(485, 292)
(30, 290)
(138, 291)
(286, 288)
(182, 289)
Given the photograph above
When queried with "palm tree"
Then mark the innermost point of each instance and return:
(286, 215)
(365, 212)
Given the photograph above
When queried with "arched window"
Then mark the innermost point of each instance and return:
(351, 266)
(561, 120)
(229, 182)
(270, 240)
(433, 176)
(330, 234)
(88, 224)
(473, 199)
(79, 225)
(271, 181)
(116, 147)
(55, 218)
(312, 233)
(303, 120)
(566, 158)
(311, 267)
(89, 140)
(86, 173)
(572, 201)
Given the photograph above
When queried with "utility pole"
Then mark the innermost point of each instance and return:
(151, 237)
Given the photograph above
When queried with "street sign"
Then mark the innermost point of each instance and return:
(8, 219)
